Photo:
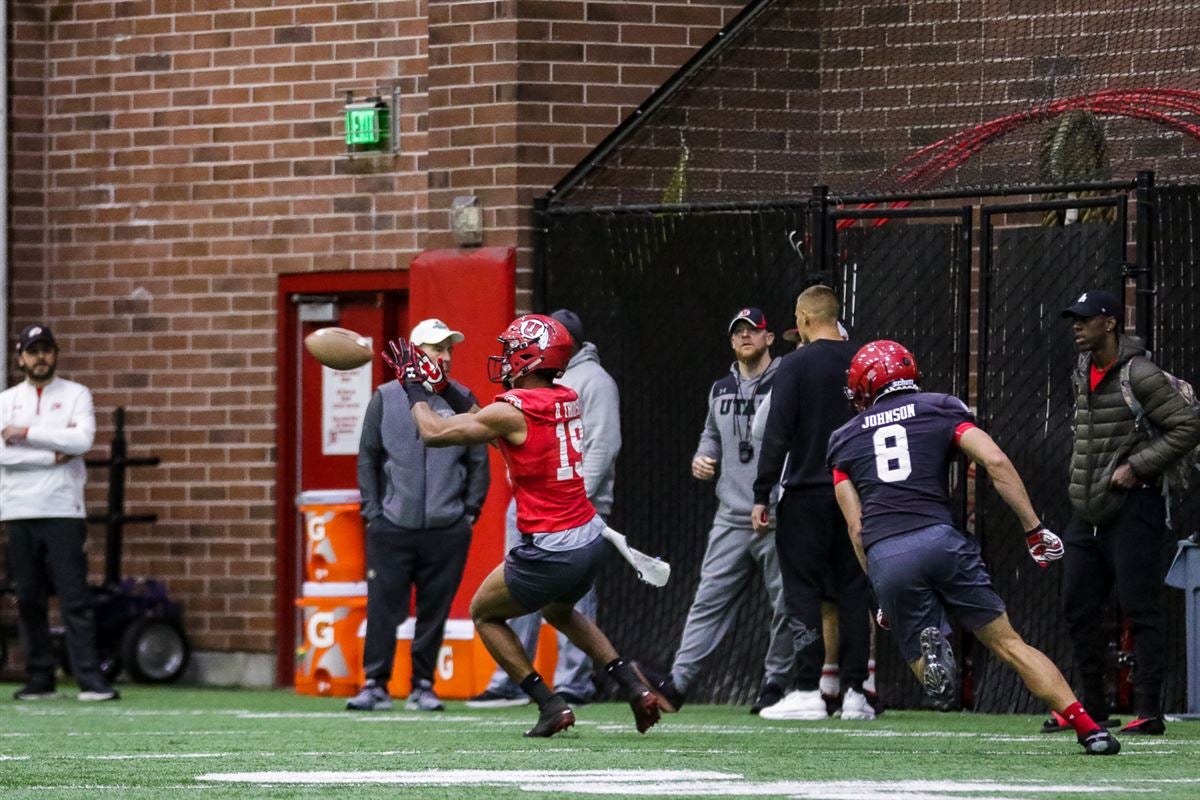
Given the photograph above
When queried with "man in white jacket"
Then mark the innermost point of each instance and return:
(47, 424)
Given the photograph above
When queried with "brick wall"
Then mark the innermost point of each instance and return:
(169, 160)
(839, 91)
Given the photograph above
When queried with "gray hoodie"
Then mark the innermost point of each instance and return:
(732, 404)
(414, 486)
(600, 410)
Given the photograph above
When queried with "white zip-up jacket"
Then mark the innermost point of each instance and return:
(60, 419)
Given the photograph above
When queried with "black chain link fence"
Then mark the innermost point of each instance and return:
(656, 291)
(881, 267)
(1027, 407)
(656, 287)
(1176, 279)
(1177, 307)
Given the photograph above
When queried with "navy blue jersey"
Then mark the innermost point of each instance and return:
(898, 454)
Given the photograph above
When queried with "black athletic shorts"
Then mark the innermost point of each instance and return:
(920, 575)
(537, 576)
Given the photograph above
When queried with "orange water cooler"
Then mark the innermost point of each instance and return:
(333, 601)
(329, 662)
(334, 546)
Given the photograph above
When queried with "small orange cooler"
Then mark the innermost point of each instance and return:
(464, 666)
(329, 662)
(334, 550)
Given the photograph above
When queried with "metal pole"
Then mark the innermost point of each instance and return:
(1146, 285)
(116, 502)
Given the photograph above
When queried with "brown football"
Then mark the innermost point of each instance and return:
(338, 348)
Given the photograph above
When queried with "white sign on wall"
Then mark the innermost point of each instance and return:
(344, 398)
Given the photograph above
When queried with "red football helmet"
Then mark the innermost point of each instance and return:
(879, 367)
(531, 342)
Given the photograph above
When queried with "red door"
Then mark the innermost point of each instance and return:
(320, 410)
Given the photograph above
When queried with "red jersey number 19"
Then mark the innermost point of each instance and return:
(570, 448)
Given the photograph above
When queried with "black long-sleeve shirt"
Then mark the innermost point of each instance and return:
(808, 404)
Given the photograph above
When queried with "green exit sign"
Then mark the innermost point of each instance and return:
(364, 124)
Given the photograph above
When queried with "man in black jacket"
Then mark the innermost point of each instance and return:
(418, 504)
(808, 404)
(1118, 533)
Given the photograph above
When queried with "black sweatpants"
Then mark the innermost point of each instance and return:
(45, 553)
(398, 559)
(1132, 551)
(815, 556)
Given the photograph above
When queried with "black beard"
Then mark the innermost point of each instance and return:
(50, 368)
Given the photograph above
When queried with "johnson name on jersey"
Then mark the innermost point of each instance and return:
(898, 455)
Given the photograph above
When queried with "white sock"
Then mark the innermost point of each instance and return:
(869, 683)
(831, 683)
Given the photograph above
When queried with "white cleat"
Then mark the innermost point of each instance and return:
(855, 706)
(797, 705)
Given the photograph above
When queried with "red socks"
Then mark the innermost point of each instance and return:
(1080, 720)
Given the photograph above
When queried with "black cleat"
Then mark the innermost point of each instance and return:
(941, 671)
(1058, 723)
(646, 711)
(552, 719)
(1146, 726)
(1100, 743)
(768, 695)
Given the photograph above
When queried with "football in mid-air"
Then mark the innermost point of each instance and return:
(338, 348)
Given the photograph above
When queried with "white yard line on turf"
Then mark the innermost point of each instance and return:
(675, 783)
(461, 777)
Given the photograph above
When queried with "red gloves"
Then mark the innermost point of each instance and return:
(1044, 546)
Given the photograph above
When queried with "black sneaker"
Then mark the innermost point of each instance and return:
(1146, 726)
(493, 699)
(36, 690)
(768, 695)
(1100, 743)
(941, 676)
(875, 701)
(99, 694)
(555, 717)
(670, 699)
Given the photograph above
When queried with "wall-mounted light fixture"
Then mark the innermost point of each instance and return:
(466, 221)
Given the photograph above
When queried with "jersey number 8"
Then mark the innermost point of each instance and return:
(892, 462)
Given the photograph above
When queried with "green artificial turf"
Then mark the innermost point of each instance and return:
(175, 743)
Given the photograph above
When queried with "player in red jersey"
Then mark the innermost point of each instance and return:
(535, 423)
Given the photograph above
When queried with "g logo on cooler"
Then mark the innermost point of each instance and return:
(320, 629)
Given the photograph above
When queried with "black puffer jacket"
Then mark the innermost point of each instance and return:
(1105, 435)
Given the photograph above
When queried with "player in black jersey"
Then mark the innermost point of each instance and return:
(890, 469)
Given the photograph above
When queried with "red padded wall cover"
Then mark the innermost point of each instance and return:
(472, 291)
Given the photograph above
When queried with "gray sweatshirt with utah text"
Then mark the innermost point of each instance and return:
(732, 403)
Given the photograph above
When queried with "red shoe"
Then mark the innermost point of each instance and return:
(551, 720)
(646, 711)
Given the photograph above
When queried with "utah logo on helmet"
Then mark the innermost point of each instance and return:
(532, 342)
(877, 368)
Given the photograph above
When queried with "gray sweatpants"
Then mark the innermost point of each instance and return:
(573, 673)
(734, 553)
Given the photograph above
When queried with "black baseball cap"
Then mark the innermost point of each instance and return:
(35, 333)
(570, 320)
(1094, 302)
(754, 316)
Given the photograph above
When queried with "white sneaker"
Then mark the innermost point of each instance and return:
(798, 705)
(855, 706)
